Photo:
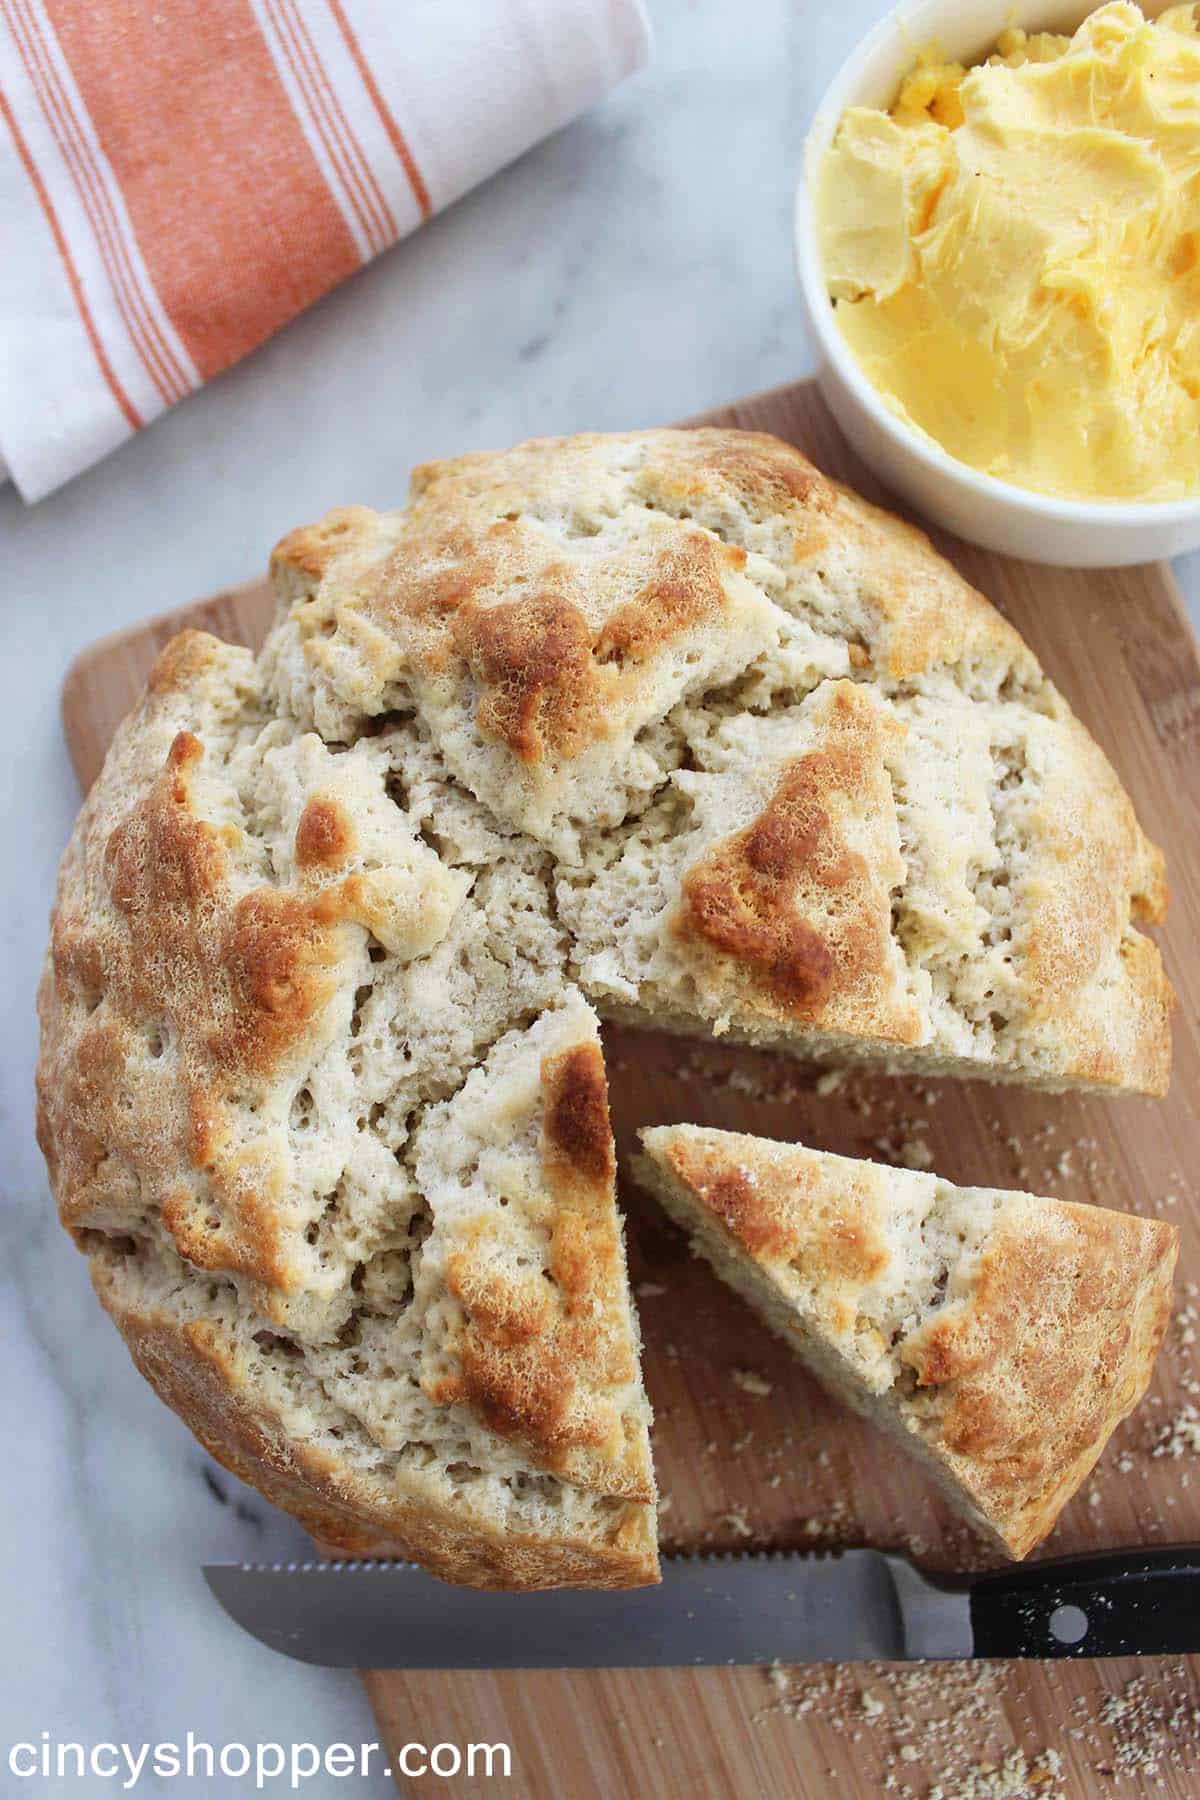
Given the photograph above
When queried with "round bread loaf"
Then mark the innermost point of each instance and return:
(664, 722)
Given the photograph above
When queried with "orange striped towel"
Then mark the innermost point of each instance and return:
(178, 178)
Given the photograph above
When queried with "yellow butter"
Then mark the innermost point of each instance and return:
(1014, 253)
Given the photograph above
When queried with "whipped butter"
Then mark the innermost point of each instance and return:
(1014, 255)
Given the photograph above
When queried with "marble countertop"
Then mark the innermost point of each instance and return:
(634, 269)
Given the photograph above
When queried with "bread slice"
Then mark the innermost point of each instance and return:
(803, 785)
(332, 1129)
(1000, 1336)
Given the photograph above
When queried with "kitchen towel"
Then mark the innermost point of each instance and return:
(178, 178)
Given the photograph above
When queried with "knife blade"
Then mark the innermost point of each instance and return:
(740, 1608)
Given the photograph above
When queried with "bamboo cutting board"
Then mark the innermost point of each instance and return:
(749, 1452)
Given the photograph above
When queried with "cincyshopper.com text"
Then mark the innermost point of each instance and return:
(266, 1766)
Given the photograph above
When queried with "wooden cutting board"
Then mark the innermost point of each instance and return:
(749, 1451)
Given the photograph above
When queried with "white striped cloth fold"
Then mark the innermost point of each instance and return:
(178, 178)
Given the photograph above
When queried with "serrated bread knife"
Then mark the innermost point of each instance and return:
(857, 1605)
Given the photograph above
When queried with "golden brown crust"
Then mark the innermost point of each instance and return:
(783, 1221)
(1096, 982)
(1015, 1378)
(186, 988)
(237, 982)
(922, 613)
(917, 613)
(787, 1208)
(183, 664)
(1025, 1380)
(760, 471)
(193, 1375)
(324, 836)
(577, 1145)
(533, 662)
(550, 683)
(791, 907)
(310, 549)
(539, 604)
(512, 609)
(544, 1355)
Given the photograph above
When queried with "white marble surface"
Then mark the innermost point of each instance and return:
(635, 269)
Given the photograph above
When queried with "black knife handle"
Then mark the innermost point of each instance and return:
(1117, 1603)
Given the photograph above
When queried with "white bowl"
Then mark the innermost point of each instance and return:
(996, 513)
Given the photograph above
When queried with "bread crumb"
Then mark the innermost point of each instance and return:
(1181, 1436)
(1014, 1779)
(904, 1146)
(945, 1731)
(751, 1382)
(736, 1522)
(949, 1715)
(1152, 1724)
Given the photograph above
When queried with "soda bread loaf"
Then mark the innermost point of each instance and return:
(666, 720)
(1000, 1337)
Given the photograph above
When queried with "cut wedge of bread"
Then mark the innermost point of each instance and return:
(1000, 1336)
